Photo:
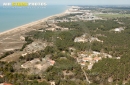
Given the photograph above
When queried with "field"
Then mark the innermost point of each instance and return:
(114, 15)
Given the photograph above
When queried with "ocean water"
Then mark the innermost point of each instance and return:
(14, 17)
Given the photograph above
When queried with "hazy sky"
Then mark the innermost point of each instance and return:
(77, 2)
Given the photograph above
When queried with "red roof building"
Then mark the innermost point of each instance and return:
(6, 84)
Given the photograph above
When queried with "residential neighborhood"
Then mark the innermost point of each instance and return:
(90, 58)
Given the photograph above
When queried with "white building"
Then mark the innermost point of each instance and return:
(119, 29)
(80, 39)
(90, 66)
(52, 83)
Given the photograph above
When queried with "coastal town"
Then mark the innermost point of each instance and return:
(58, 50)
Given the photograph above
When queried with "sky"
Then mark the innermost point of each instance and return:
(76, 2)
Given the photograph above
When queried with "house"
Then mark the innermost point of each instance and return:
(119, 29)
(110, 79)
(90, 66)
(52, 83)
(96, 52)
(5, 84)
(87, 16)
(79, 60)
(72, 49)
(83, 55)
(82, 63)
(96, 59)
(107, 55)
(1, 76)
(65, 29)
(118, 58)
(51, 62)
(87, 59)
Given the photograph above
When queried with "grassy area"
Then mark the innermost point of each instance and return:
(113, 15)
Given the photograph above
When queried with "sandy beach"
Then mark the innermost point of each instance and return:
(26, 26)
(10, 39)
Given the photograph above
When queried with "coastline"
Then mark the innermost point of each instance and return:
(11, 39)
(25, 27)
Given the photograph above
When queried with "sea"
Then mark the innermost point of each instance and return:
(11, 17)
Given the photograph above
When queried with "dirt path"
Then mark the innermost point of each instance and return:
(85, 76)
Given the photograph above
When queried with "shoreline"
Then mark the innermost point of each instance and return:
(25, 27)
